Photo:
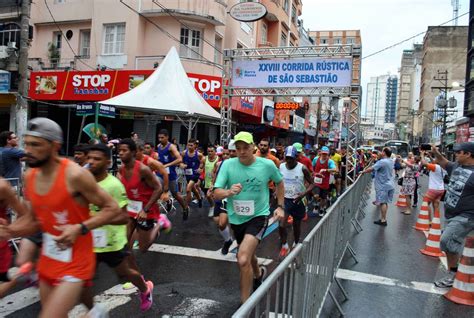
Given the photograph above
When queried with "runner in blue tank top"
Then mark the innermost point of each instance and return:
(192, 165)
(170, 157)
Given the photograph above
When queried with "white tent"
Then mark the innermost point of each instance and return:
(167, 91)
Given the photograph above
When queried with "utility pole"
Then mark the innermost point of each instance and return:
(318, 121)
(22, 103)
(442, 77)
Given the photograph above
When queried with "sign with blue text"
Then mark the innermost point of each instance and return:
(312, 72)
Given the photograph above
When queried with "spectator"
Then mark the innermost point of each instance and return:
(383, 183)
(409, 181)
(10, 157)
(134, 136)
(459, 206)
(436, 181)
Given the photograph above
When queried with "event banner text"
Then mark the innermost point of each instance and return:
(313, 72)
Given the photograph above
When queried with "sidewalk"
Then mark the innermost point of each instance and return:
(392, 278)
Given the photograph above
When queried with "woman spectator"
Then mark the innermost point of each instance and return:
(409, 182)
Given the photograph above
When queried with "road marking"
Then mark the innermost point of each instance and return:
(110, 299)
(192, 307)
(196, 252)
(18, 301)
(380, 280)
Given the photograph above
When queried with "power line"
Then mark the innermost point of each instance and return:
(64, 36)
(163, 30)
(408, 39)
(168, 11)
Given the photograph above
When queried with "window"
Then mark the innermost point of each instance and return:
(350, 41)
(294, 15)
(114, 39)
(283, 39)
(286, 5)
(264, 36)
(9, 33)
(85, 44)
(337, 41)
(57, 40)
(191, 44)
(324, 40)
(218, 45)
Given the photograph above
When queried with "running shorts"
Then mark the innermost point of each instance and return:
(255, 227)
(296, 210)
(113, 259)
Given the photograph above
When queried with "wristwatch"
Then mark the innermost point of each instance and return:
(84, 229)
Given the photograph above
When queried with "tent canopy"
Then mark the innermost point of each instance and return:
(167, 91)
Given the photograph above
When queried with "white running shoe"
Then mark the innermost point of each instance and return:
(211, 212)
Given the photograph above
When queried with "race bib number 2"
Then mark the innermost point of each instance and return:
(244, 207)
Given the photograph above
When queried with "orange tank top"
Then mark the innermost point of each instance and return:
(56, 208)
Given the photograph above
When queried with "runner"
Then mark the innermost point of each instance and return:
(294, 176)
(148, 149)
(143, 190)
(336, 157)
(210, 162)
(323, 167)
(263, 152)
(80, 154)
(220, 213)
(301, 157)
(110, 241)
(169, 155)
(59, 192)
(244, 181)
(192, 165)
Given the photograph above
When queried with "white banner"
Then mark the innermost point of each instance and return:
(313, 72)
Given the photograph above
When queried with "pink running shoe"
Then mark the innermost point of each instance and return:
(146, 298)
(165, 223)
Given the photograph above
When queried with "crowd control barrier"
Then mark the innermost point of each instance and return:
(298, 287)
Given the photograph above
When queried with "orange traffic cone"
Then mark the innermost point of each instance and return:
(402, 201)
(462, 291)
(432, 243)
(423, 222)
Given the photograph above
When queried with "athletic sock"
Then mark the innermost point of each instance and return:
(225, 234)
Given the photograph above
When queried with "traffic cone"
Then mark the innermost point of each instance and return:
(462, 291)
(423, 222)
(432, 243)
(402, 201)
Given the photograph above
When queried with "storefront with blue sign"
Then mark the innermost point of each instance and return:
(7, 100)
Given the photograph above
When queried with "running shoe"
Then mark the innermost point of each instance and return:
(211, 212)
(98, 311)
(321, 212)
(290, 220)
(226, 246)
(258, 281)
(127, 286)
(305, 217)
(380, 222)
(195, 201)
(185, 214)
(169, 205)
(146, 298)
(165, 223)
(446, 282)
(283, 252)
(200, 203)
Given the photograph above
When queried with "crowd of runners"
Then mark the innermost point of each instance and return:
(72, 215)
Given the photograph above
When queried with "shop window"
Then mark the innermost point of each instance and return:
(114, 39)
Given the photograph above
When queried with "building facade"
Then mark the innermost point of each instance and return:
(391, 100)
(381, 101)
(444, 49)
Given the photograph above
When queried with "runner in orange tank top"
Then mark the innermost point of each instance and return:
(59, 193)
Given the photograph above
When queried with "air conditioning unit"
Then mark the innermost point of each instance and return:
(3, 52)
(12, 45)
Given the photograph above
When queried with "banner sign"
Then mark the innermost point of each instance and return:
(5, 81)
(107, 111)
(101, 85)
(313, 72)
(248, 105)
(85, 109)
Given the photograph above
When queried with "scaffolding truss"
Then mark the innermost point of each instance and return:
(291, 53)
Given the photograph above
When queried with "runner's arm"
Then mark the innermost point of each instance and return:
(309, 180)
(158, 166)
(175, 154)
(121, 218)
(153, 183)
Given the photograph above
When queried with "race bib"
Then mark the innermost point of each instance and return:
(167, 169)
(100, 237)
(291, 190)
(51, 250)
(244, 207)
(318, 180)
(134, 206)
(188, 172)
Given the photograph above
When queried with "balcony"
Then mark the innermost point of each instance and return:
(275, 10)
(208, 11)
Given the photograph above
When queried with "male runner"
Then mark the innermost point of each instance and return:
(143, 190)
(336, 157)
(59, 193)
(294, 176)
(80, 154)
(323, 167)
(301, 156)
(210, 162)
(244, 181)
(148, 149)
(192, 165)
(264, 152)
(110, 241)
(169, 155)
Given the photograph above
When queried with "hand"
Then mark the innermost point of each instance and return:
(69, 234)
(235, 189)
(181, 165)
(199, 171)
(298, 198)
(165, 196)
(141, 216)
(322, 170)
(210, 192)
(278, 214)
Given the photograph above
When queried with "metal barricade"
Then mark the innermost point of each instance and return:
(298, 287)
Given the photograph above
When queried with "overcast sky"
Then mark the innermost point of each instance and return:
(382, 23)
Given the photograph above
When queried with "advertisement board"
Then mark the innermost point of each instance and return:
(5, 81)
(311, 72)
(101, 85)
(249, 105)
(248, 11)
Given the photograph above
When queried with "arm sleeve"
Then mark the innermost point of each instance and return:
(222, 176)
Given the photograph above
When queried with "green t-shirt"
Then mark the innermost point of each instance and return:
(253, 200)
(112, 237)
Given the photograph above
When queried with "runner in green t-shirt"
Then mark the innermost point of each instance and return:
(110, 241)
(244, 182)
